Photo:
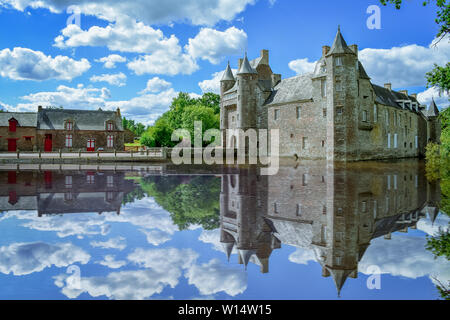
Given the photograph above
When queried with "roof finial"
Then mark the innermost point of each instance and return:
(339, 27)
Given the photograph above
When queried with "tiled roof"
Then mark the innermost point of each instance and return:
(291, 89)
(24, 119)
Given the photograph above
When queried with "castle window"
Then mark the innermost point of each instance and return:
(324, 209)
(110, 141)
(375, 113)
(12, 125)
(395, 140)
(387, 117)
(276, 114)
(364, 206)
(305, 180)
(109, 126)
(416, 141)
(389, 140)
(68, 182)
(323, 87)
(299, 210)
(338, 84)
(275, 209)
(364, 116)
(339, 111)
(69, 140)
(338, 61)
(324, 111)
(69, 125)
(305, 141)
(90, 178)
(298, 111)
(395, 118)
(323, 143)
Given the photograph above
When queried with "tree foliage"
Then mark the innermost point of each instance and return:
(136, 127)
(182, 113)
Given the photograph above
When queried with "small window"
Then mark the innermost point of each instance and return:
(69, 139)
(110, 181)
(276, 114)
(90, 178)
(375, 113)
(305, 142)
(324, 112)
(305, 180)
(338, 85)
(110, 126)
(69, 125)
(323, 88)
(364, 116)
(389, 140)
(110, 141)
(298, 111)
(299, 210)
(68, 182)
(339, 111)
(395, 140)
(338, 61)
(323, 143)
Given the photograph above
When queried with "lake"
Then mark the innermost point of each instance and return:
(313, 231)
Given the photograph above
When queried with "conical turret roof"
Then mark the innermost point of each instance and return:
(433, 110)
(228, 74)
(339, 45)
(228, 247)
(246, 68)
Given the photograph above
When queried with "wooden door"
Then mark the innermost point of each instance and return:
(12, 145)
(48, 143)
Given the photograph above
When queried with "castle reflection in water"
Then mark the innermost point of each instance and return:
(335, 211)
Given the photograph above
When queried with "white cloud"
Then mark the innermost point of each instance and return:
(110, 61)
(118, 243)
(26, 64)
(171, 62)
(213, 237)
(111, 262)
(6, 106)
(156, 237)
(441, 99)
(156, 85)
(163, 259)
(116, 79)
(404, 66)
(197, 12)
(302, 66)
(213, 84)
(405, 256)
(25, 258)
(213, 277)
(302, 256)
(212, 45)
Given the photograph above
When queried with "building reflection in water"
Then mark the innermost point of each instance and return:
(61, 192)
(334, 211)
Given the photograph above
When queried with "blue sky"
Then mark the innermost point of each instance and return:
(161, 49)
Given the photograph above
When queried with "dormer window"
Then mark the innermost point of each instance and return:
(12, 125)
(69, 125)
(109, 126)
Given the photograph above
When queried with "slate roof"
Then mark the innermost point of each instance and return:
(246, 68)
(339, 45)
(362, 71)
(228, 74)
(291, 89)
(432, 111)
(389, 97)
(25, 119)
(53, 119)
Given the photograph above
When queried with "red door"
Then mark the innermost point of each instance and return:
(12, 145)
(90, 145)
(48, 143)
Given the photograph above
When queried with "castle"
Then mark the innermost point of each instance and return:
(334, 113)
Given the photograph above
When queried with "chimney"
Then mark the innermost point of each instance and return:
(265, 56)
(276, 78)
(405, 92)
(240, 63)
(118, 112)
(325, 50)
(388, 86)
(354, 48)
(414, 95)
(39, 108)
(325, 272)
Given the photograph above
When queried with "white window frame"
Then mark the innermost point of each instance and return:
(276, 114)
(395, 141)
(389, 140)
(69, 141)
(110, 141)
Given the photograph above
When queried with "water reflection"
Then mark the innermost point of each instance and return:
(334, 211)
(329, 214)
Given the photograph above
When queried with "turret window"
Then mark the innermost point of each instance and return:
(276, 114)
(323, 87)
(298, 112)
(338, 61)
(364, 116)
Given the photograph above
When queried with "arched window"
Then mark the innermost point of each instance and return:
(12, 125)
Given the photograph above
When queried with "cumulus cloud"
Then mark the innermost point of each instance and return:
(213, 277)
(156, 237)
(166, 62)
(156, 84)
(302, 66)
(118, 243)
(213, 84)
(441, 99)
(111, 262)
(404, 66)
(213, 237)
(197, 12)
(302, 256)
(25, 258)
(110, 61)
(26, 64)
(116, 79)
(210, 44)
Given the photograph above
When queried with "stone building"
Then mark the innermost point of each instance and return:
(51, 129)
(334, 113)
(335, 212)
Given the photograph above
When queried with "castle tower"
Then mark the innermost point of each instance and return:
(434, 124)
(247, 79)
(341, 92)
(226, 83)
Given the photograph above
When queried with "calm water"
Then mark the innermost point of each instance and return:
(311, 232)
